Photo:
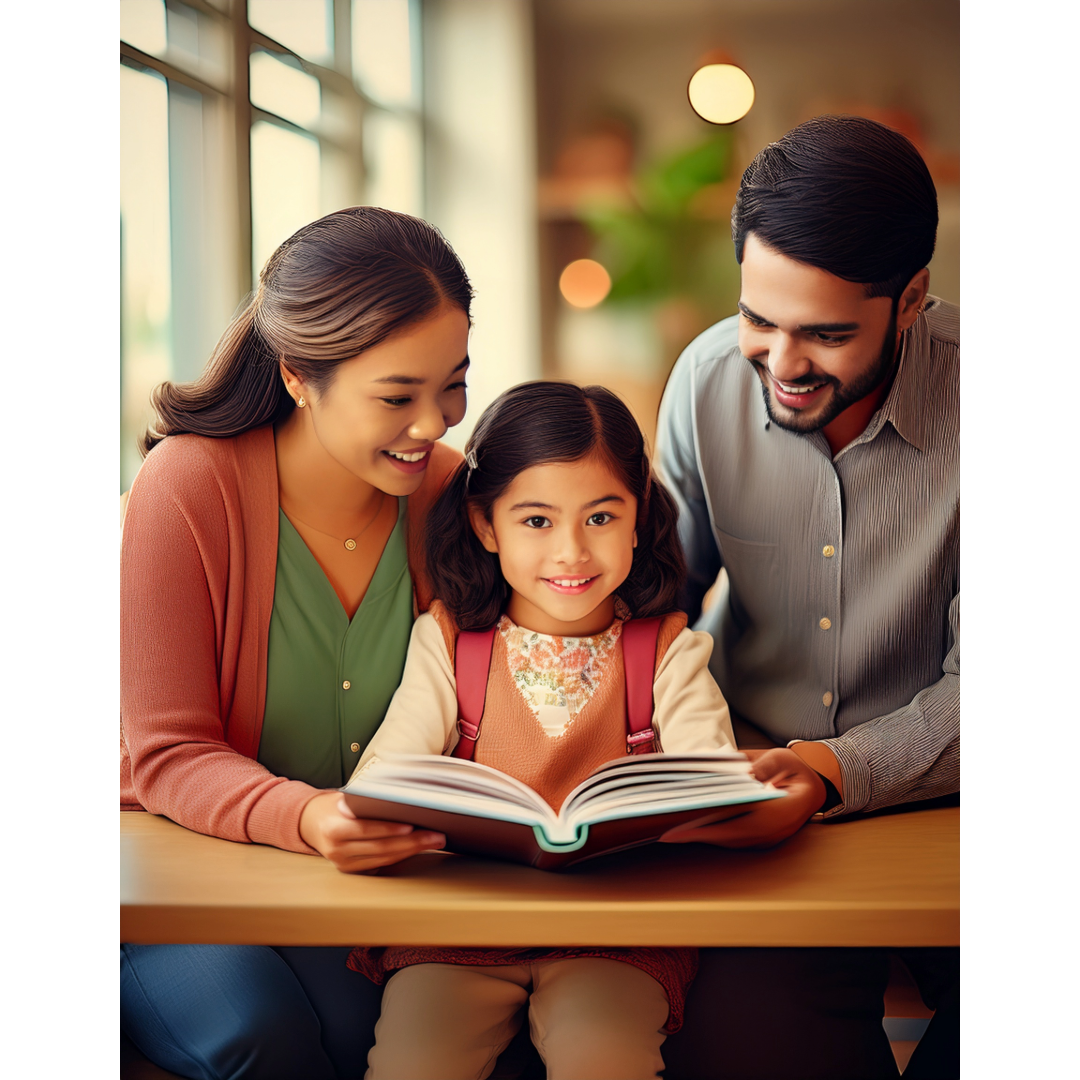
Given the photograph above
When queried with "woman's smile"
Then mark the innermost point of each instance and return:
(410, 461)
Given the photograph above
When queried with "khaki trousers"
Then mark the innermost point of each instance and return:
(590, 1018)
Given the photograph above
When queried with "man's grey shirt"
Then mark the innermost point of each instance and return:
(840, 620)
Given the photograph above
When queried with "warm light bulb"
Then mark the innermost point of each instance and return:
(721, 93)
(584, 283)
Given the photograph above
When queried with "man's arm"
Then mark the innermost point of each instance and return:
(676, 464)
(912, 753)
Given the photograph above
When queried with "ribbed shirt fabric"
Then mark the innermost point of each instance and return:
(840, 617)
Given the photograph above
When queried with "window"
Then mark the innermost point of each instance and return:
(240, 123)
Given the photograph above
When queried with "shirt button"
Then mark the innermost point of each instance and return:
(346, 684)
(825, 623)
(355, 747)
(828, 551)
(826, 698)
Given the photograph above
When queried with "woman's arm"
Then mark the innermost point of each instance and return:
(353, 844)
(177, 619)
(175, 563)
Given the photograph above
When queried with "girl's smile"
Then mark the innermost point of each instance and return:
(565, 536)
(571, 586)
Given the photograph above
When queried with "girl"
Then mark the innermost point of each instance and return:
(555, 529)
(267, 596)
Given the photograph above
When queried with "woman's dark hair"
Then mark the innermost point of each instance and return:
(844, 194)
(338, 286)
(538, 423)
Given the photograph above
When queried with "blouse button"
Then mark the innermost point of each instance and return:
(346, 684)
(828, 551)
(826, 698)
(355, 747)
(825, 623)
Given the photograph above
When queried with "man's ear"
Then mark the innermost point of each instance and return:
(912, 299)
(635, 538)
(482, 527)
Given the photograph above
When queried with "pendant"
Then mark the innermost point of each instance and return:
(350, 545)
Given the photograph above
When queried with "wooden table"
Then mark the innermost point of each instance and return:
(889, 880)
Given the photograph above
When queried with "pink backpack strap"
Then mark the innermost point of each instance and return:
(472, 662)
(639, 662)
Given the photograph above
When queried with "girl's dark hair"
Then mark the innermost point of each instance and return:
(538, 423)
(338, 286)
(845, 194)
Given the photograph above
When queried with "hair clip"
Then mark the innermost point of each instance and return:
(470, 460)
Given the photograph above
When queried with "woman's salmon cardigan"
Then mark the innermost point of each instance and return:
(198, 563)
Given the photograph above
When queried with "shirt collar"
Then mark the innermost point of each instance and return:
(905, 406)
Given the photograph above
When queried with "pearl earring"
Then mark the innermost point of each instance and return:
(301, 402)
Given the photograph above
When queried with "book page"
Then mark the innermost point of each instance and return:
(659, 783)
(447, 783)
(631, 768)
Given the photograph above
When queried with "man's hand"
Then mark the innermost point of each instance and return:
(766, 823)
(355, 844)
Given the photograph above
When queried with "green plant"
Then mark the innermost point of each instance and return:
(671, 242)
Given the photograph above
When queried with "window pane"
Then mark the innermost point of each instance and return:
(305, 26)
(144, 260)
(142, 24)
(382, 50)
(284, 187)
(284, 90)
(392, 162)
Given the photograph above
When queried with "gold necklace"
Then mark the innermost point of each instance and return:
(349, 542)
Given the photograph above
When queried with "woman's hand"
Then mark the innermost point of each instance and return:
(355, 844)
(765, 823)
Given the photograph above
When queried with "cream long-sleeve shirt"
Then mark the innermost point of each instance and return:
(690, 713)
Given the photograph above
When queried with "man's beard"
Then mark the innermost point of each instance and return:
(843, 396)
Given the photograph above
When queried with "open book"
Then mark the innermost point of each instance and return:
(630, 801)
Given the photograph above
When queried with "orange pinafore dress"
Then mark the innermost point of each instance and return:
(555, 710)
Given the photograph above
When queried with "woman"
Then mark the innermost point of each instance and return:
(267, 594)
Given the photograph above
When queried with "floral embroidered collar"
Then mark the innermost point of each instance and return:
(557, 675)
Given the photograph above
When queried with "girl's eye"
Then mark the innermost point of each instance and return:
(601, 518)
(396, 402)
(537, 522)
(456, 386)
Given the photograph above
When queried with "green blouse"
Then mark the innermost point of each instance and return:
(330, 679)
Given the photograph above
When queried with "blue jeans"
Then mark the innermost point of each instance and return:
(248, 1012)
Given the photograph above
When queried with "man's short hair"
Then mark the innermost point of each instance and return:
(845, 194)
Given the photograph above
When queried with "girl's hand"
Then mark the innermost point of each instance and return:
(355, 844)
(766, 823)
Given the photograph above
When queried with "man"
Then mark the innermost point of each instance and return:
(812, 443)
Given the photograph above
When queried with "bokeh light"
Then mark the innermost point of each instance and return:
(584, 283)
(721, 93)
